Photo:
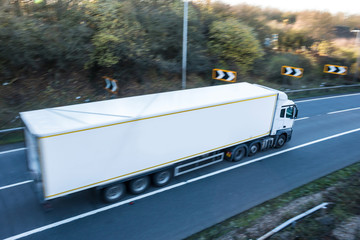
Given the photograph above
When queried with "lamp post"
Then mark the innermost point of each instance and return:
(185, 26)
(357, 43)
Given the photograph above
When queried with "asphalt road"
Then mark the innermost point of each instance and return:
(324, 141)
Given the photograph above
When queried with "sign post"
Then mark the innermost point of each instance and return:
(357, 42)
(288, 72)
(184, 53)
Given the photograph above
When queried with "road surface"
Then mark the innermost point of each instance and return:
(326, 138)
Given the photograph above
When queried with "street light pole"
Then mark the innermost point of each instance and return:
(185, 26)
(357, 43)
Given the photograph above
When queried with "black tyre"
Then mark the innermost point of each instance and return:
(280, 141)
(238, 153)
(139, 185)
(254, 148)
(161, 178)
(113, 193)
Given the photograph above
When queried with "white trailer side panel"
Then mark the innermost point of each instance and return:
(82, 159)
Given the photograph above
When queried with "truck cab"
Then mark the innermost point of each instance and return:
(285, 114)
(288, 114)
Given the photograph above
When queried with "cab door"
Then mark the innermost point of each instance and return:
(287, 116)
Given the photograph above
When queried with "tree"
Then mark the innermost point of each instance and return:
(252, 16)
(163, 25)
(275, 62)
(37, 40)
(140, 35)
(326, 48)
(119, 37)
(318, 25)
(234, 43)
(292, 40)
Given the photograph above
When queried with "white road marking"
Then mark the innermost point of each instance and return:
(15, 184)
(90, 213)
(345, 110)
(299, 119)
(324, 98)
(12, 150)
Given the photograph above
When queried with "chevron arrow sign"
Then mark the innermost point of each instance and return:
(224, 75)
(334, 69)
(110, 85)
(292, 71)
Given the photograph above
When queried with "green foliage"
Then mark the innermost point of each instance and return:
(316, 24)
(325, 48)
(254, 17)
(139, 36)
(292, 40)
(275, 62)
(339, 55)
(23, 34)
(345, 53)
(32, 42)
(118, 37)
(234, 43)
(145, 34)
(289, 17)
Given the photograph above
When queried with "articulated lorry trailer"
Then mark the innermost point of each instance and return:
(126, 144)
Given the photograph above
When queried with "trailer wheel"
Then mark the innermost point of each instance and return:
(280, 141)
(161, 178)
(254, 148)
(238, 153)
(139, 185)
(113, 193)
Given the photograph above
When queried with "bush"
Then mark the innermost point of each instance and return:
(273, 66)
(234, 44)
(32, 42)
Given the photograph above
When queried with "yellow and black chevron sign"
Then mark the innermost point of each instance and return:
(292, 71)
(224, 75)
(335, 69)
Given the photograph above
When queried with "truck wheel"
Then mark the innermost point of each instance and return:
(254, 148)
(238, 153)
(280, 141)
(113, 193)
(139, 185)
(161, 178)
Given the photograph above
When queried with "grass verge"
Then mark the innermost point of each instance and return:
(345, 201)
(12, 137)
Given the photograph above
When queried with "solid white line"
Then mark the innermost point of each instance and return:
(15, 184)
(346, 110)
(68, 220)
(324, 98)
(13, 150)
(299, 119)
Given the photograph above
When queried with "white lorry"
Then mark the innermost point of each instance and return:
(130, 142)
